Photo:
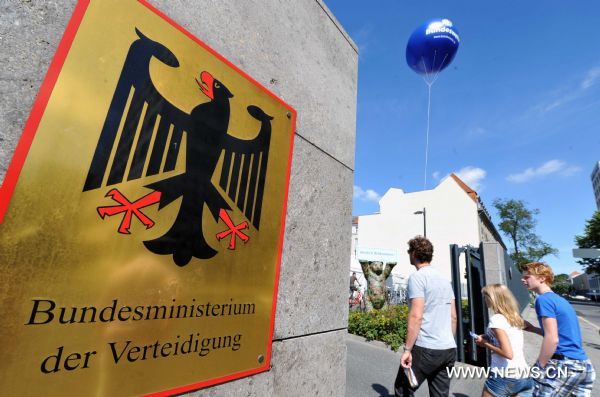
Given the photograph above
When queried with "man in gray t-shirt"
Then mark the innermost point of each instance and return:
(430, 347)
(436, 327)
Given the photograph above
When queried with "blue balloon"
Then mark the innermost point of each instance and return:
(432, 46)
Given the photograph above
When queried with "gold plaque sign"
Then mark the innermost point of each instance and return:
(142, 215)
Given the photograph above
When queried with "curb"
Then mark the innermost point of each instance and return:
(375, 343)
(383, 345)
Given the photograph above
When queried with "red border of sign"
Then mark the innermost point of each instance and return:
(37, 111)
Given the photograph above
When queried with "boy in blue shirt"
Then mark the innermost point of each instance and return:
(564, 369)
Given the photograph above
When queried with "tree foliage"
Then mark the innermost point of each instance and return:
(590, 239)
(561, 284)
(518, 223)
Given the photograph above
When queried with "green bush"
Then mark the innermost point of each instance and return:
(466, 313)
(387, 325)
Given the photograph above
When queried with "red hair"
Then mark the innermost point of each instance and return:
(542, 270)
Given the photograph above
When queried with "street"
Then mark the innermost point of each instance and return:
(372, 367)
(589, 311)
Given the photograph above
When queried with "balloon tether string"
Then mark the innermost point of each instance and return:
(429, 84)
(427, 134)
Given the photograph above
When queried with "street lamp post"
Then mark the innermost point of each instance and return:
(424, 220)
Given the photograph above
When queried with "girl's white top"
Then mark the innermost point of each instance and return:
(517, 367)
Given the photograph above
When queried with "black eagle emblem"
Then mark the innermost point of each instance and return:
(144, 113)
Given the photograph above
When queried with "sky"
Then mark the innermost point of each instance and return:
(515, 115)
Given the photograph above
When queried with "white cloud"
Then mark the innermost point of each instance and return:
(436, 175)
(548, 168)
(591, 77)
(472, 176)
(569, 92)
(558, 102)
(366, 195)
(570, 170)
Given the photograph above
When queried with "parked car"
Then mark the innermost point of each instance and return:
(580, 298)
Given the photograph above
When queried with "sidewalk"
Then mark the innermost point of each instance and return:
(372, 366)
(531, 342)
(589, 334)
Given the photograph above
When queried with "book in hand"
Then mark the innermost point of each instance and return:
(412, 379)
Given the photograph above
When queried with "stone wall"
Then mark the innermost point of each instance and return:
(299, 51)
(495, 268)
(500, 269)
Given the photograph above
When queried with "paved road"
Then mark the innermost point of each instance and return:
(372, 367)
(590, 312)
(588, 318)
(371, 370)
(589, 322)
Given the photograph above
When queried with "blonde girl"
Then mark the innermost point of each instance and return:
(504, 338)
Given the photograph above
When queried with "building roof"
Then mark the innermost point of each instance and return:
(483, 213)
(472, 193)
(583, 275)
(574, 274)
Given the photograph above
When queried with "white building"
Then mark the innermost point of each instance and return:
(454, 215)
(354, 264)
(596, 183)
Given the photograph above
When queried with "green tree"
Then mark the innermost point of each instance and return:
(518, 222)
(561, 284)
(590, 239)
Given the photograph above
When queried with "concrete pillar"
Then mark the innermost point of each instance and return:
(299, 51)
(495, 268)
(499, 269)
